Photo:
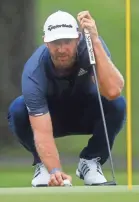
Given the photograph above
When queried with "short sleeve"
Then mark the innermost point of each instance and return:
(34, 97)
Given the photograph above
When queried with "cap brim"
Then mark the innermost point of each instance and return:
(53, 38)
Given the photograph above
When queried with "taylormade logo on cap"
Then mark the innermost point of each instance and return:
(60, 25)
(50, 27)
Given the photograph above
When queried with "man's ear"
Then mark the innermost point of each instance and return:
(43, 38)
(46, 44)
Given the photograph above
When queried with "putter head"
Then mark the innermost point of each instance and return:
(110, 183)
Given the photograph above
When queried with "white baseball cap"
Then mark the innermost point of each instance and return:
(60, 25)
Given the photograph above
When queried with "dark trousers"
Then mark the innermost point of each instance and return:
(82, 118)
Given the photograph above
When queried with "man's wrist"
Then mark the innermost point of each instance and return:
(54, 170)
(96, 41)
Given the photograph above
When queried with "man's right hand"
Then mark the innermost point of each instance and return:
(57, 179)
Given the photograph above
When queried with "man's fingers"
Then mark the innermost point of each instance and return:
(83, 14)
(59, 178)
(86, 23)
(66, 177)
(53, 181)
(85, 20)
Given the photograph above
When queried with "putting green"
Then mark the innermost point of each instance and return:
(67, 194)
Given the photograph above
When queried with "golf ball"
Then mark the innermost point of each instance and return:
(67, 183)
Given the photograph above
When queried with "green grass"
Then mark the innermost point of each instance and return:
(82, 197)
(110, 20)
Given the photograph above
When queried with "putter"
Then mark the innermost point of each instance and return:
(93, 63)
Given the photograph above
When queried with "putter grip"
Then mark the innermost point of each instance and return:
(89, 47)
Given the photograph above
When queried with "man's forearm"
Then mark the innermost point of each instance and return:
(47, 150)
(110, 80)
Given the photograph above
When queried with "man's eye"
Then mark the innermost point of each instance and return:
(67, 41)
(55, 42)
(62, 41)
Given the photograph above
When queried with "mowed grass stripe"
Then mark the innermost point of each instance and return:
(74, 189)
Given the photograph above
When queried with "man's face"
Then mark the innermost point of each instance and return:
(63, 53)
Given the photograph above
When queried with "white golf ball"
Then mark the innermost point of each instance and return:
(67, 183)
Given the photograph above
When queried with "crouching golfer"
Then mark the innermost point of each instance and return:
(59, 98)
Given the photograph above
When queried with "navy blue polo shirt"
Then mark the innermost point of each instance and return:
(44, 91)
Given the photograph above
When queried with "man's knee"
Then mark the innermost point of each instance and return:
(119, 107)
(17, 114)
(115, 111)
(18, 108)
(117, 114)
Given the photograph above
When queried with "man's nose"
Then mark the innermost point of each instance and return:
(61, 48)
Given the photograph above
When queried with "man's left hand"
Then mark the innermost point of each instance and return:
(86, 21)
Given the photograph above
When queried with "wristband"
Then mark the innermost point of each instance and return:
(54, 170)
